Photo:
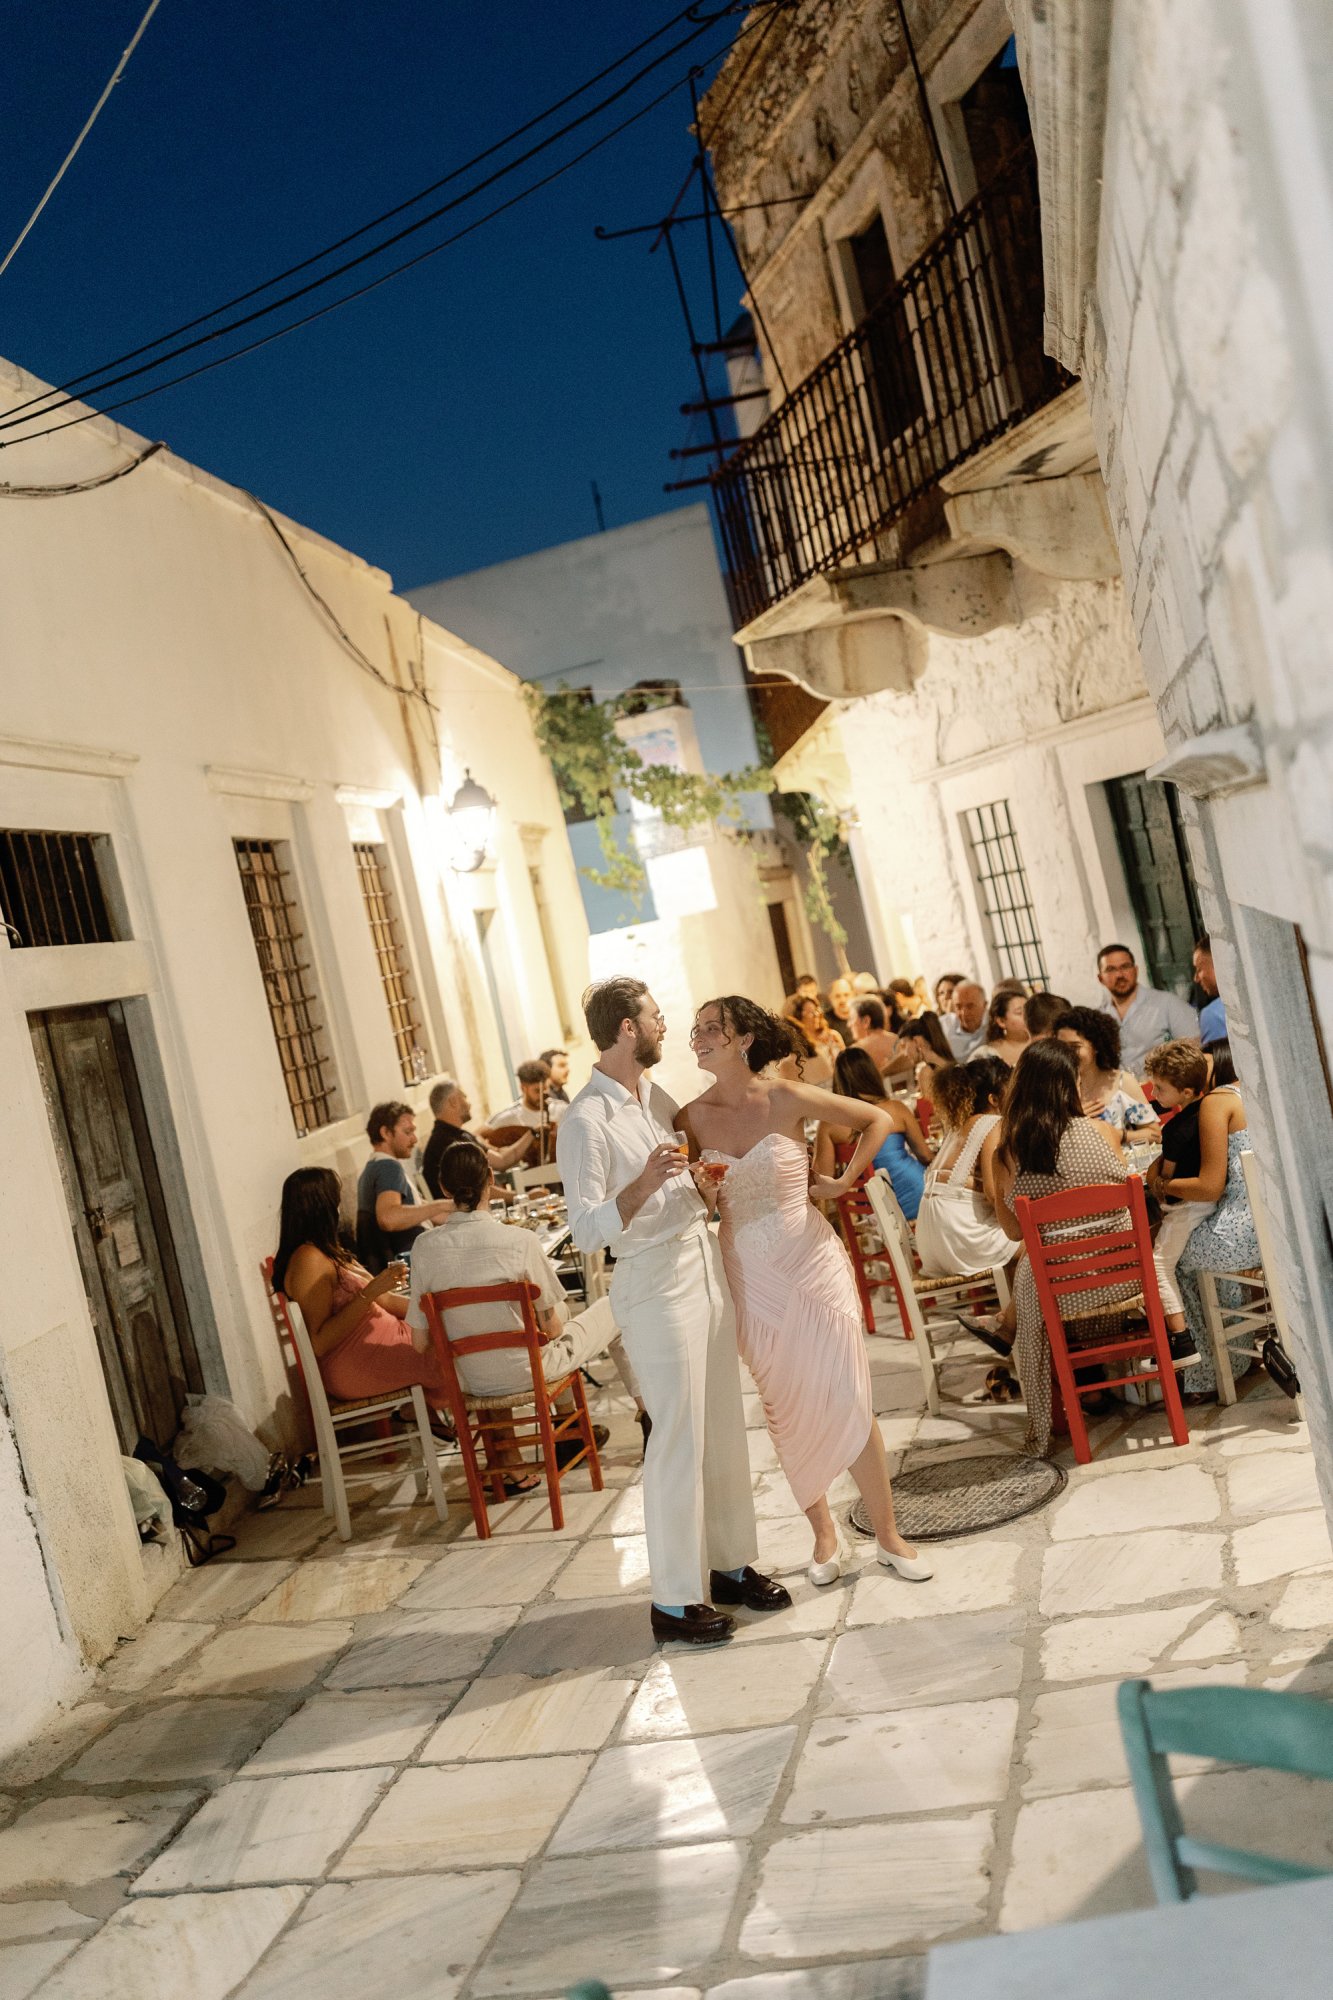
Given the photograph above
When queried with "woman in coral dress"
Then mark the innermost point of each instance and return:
(798, 1317)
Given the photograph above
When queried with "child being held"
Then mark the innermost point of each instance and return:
(1180, 1075)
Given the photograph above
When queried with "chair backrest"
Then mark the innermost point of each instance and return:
(897, 1240)
(1067, 1264)
(1276, 1730)
(518, 1292)
(529, 1177)
(1264, 1237)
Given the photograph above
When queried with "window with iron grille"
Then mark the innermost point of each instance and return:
(386, 933)
(1002, 887)
(289, 984)
(51, 889)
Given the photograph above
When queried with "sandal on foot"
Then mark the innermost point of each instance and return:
(983, 1328)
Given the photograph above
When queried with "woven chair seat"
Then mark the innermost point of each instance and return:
(1134, 1304)
(341, 1409)
(924, 1284)
(513, 1401)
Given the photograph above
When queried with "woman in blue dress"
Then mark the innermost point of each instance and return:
(1224, 1240)
(904, 1155)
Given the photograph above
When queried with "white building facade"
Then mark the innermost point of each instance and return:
(232, 924)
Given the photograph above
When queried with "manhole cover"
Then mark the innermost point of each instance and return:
(939, 1498)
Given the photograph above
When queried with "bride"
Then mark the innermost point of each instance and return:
(797, 1313)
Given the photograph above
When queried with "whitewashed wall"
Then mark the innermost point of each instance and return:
(169, 681)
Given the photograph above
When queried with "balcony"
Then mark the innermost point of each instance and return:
(946, 363)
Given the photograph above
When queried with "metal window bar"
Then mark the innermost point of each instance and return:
(947, 361)
(1002, 887)
(395, 972)
(51, 889)
(294, 1010)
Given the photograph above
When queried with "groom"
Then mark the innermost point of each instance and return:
(629, 1190)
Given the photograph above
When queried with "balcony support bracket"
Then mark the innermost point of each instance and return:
(1059, 527)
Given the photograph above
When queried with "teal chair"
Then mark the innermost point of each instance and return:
(1280, 1732)
(588, 1989)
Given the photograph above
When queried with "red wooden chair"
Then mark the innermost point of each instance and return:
(480, 1420)
(859, 1229)
(1065, 1267)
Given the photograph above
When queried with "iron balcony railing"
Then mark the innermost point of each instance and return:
(950, 359)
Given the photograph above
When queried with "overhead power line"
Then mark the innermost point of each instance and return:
(96, 381)
(116, 74)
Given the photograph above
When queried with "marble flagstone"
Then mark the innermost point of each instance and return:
(1108, 1571)
(336, 1732)
(165, 1948)
(412, 1937)
(1130, 1642)
(334, 1589)
(505, 1573)
(625, 1516)
(283, 1531)
(633, 1917)
(511, 1715)
(153, 1657)
(64, 1844)
(1174, 1496)
(23, 1967)
(175, 1741)
(841, 1890)
(810, 1611)
(648, 1794)
(223, 1590)
(531, 1514)
(1249, 1426)
(1076, 1741)
(604, 1565)
(878, 1766)
(1077, 1855)
(398, 1650)
(586, 1635)
(1282, 1546)
(477, 1815)
(1307, 1603)
(1217, 1638)
(266, 1830)
(262, 1659)
(734, 1687)
(1272, 1482)
(979, 1575)
(867, 1979)
(928, 1661)
(56, 1745)
(24, 1922)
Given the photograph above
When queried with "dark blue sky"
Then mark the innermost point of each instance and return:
(456, 416)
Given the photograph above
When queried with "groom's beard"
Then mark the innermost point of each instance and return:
(647, 1049)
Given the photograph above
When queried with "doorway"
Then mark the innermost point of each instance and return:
(777, 919)
(1153, 854)
(118, 1216)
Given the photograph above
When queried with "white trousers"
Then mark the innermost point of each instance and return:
(674, 1312)
(579, 1341)
(1179, 1221)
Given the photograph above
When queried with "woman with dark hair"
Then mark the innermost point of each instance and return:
(957, 1227)
(1048, 1145)
(1006, 1025)
(1106, 1091)
(813, 1044)
(798, 1317)
(904, 1155)
(923, 1041)
(355, 1322)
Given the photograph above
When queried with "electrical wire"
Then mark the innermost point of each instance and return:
(81, 485)
(97, 380)
(90, 121)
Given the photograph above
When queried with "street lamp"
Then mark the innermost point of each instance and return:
(472, 823)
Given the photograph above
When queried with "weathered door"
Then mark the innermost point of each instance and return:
(1157, 873)
(118, 1217)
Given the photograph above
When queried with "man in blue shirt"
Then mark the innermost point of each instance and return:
(1213, 1015)
(1146, 1015)
(389, 1218)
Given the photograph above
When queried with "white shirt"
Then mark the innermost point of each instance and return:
(602, 1145)
(963, 1041)
(523, 1114)
(470, 1248)
(1153, 1017)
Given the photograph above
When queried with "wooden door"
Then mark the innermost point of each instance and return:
(1152, 847)
(118, 1217)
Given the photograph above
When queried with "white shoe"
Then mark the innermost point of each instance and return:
(915, 1568)
(827, 1572)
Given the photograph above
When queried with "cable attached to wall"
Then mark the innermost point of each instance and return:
(81, 485)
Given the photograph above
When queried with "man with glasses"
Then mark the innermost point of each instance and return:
(629, 1190)
(1146, 1015)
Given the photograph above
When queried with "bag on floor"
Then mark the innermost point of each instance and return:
(193, 1496)
(214, 1434)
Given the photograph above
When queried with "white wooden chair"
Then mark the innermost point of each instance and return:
(930, 1304)
(1259, 1310)
(330, 1416)
(531, 1177)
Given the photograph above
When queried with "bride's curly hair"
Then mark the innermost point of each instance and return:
(773, 1040)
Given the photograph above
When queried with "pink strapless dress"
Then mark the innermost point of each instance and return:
(798, 1318)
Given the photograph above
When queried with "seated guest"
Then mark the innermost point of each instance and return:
(1180, 1078)
(1224, 1240)
(355, 1321)
(389, 1218)
(471, 1247)
(557, 1063)
(1006, 1025)
(923, 1041)
(816, 1043)
(965, 1026)
(957, 1228)
(905, 995)
(904, 1154)
(532, 1107)
(1040, 1013)
(1144, 1014)
(945, 987)
(451, 1110)
(1213, 1014)
(1108, 1092)
(1048, 1146)
(838, 1012)
(869, 1032)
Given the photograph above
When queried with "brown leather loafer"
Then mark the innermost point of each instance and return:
(755, 1592)
(701, 1625)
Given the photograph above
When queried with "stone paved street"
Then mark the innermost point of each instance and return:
(417, 1766)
